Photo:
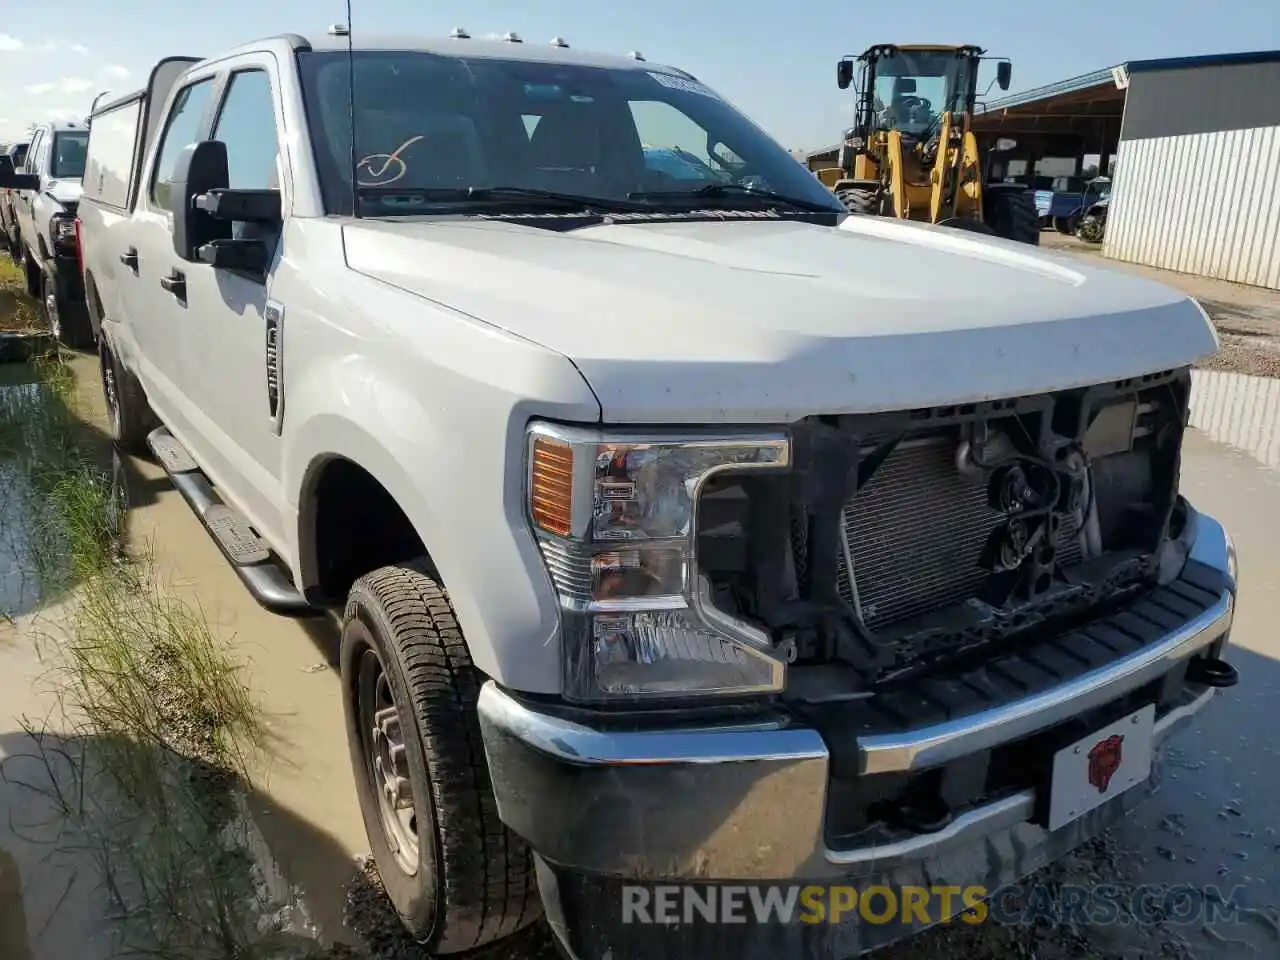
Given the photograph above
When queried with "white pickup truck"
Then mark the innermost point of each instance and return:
(684, 528)
(43, 235)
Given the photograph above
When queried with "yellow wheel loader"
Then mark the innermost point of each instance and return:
(912, 154)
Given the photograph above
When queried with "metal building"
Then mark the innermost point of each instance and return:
(1197, 185)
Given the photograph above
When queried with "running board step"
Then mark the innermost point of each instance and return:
(172, 455)
(244, 549)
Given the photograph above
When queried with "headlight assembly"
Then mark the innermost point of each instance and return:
(615, 515)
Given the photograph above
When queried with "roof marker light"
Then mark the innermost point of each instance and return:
(458, 33)
(512, 37)
(558, 42)
(636, 55)
(338, 30)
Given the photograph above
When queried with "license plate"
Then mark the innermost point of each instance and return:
(1101, 766)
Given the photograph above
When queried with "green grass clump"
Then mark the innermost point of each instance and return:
(146, 755)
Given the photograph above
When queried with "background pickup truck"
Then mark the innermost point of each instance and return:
(16, 154)
(44, 236)
(677, 534)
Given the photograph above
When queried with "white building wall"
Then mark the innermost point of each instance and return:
(1203, 203)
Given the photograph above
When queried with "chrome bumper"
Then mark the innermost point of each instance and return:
(748, 802)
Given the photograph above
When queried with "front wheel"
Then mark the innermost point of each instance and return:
(859, 200)
(456, 875)
(128, 411)
(68, 321)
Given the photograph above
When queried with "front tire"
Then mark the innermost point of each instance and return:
(1012, 214)
(859, 200)
(456, 875)
(68, 321)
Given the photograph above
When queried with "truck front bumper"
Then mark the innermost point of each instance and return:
(606, 809)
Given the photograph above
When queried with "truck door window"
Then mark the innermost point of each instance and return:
(247, 126)
(180, 129)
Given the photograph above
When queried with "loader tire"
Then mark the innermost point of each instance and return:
(1012, 214)
(859, 200)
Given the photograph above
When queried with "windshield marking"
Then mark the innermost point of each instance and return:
(680, 83)
(388, 159)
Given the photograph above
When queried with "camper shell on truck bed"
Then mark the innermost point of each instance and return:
(679, 534)
(121, 132)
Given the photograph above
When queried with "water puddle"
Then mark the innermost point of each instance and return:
(1239, 410)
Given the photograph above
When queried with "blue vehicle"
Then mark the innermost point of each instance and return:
(1062, 205)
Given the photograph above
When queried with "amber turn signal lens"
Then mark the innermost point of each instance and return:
(551, 486)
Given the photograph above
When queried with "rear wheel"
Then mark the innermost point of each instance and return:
(1011, 214)
(456, 875)
(1091, 228)
(30, 271)
(128, 411)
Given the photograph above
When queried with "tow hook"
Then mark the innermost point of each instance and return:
(1212, 672)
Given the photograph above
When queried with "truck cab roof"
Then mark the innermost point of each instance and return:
(461, 44)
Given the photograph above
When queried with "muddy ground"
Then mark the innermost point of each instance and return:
(1213, 823)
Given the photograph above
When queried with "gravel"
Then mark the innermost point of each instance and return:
(1250, 338)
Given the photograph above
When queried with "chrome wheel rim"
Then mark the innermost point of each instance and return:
(117, 504)
(51, 309)
(387, 762)
(109, 395)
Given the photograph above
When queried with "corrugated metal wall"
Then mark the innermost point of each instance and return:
(1197, 186)
(1239, 410)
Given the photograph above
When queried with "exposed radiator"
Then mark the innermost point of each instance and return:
(916, 532)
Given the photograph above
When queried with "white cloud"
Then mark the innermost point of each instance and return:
(65, 85)
(9, 44)
(116, 71)
(78, 48)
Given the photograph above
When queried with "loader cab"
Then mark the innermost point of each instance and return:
(909, 87)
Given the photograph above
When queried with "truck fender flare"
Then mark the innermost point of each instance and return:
(317, 443)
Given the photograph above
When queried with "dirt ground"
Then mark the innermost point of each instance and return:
(1247, 318)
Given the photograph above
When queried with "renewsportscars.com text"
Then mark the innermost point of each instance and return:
(1014, 904)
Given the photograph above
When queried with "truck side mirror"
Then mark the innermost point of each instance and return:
(1004, 73)
(201, 167)
(844, 74)
(11, 180)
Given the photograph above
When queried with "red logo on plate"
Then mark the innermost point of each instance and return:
(1104, 761)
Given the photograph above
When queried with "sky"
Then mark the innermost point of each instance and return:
(774, 59)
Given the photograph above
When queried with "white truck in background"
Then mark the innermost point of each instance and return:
(681, 531)
(14, 157)
(43, 241)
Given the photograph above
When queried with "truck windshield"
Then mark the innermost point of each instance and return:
(914, 87)
(69, 149)
(456, 134)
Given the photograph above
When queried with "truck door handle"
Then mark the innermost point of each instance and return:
(130, 259)
(175, 283)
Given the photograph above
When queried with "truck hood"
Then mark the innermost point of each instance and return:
(766, 321)
(66, 192)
